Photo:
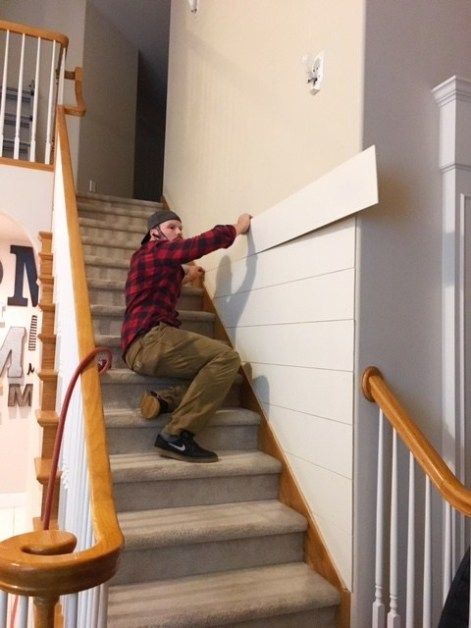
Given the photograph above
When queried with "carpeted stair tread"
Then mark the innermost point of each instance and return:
(117, 311)
(101, 224)
(127, 204)
(219, 599)
(110, 244)
(208, 524)
(98, 260)
(112, 284)
(139, 467)
(126, 376)
(223, 417)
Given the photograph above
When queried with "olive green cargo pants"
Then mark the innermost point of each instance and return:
(167, 351)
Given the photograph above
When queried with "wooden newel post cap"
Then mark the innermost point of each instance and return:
(365, 381)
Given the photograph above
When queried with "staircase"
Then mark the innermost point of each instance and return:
(206, 544)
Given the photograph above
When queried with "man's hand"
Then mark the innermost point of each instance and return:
(243, 224)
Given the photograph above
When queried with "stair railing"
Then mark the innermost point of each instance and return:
(76, 563)
(416, 595)
(32, 86)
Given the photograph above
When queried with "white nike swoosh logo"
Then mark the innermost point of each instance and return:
(179, 447)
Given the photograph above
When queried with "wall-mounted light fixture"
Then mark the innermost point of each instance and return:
(193, 5)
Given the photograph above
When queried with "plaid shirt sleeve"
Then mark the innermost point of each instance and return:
(189, 249)
(155, 276)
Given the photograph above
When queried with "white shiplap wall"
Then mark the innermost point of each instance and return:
(290, 312)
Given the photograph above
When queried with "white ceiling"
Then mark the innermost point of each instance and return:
(145, 23)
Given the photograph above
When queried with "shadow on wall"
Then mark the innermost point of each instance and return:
(232, 303)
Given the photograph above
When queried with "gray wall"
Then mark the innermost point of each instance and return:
(410, 48)
(108, 129)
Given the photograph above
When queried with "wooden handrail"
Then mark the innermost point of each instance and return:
(41, 564)
(80, 108)
(32, 31)
(450, 488)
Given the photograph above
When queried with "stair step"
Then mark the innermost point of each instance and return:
(114, 225)
(108, 319)
(147, 481)
(99, 246)
(122, 388)
(228, 428)
(265, 594)
(209, 538)
(129, 205)
(104, 234)
(109, 290)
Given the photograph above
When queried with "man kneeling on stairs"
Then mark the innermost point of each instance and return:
(153, 343)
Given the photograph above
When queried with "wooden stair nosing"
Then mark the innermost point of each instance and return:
(43, 470)
(48, 375)
(47, 418)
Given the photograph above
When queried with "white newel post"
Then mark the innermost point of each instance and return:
(454, 100)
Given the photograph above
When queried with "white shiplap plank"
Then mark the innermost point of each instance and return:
(314, 345)
(325, 394)
(325, 298)
(325, 251)
(345, 190)
(329, 494)
(311, 438)
(339, 543)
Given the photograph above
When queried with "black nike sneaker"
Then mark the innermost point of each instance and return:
(184, 448)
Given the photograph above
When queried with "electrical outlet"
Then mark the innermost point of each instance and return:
(314, 70)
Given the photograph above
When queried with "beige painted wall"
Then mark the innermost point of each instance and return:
(108, 129)
(243, 134)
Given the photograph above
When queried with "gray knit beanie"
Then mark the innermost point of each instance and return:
(157, 219)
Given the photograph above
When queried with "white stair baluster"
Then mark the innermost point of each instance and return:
(447, 547)
(378, 604)
(60, 90)
(23, 604)
(32, 150)
(19, 99)
(4, 90)
(469, 611)
(394, 620)
(50, 106)
(103, 610)
(410, 595)
(3, 608)
(427, 594)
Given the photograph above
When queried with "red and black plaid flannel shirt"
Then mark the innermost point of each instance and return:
(155, 277)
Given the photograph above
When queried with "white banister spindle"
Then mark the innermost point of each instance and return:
(394, 619)
(447, 550)
(427, 593)
(103, 607)
(4, 90)
(60, 90)
(3, 608)
(469, 598)
(23, 605)
(19, 100)
(34, 121)
(378, 604)
(50, 106)
(410, 593)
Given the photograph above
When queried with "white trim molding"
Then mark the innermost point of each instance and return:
(454, 100)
